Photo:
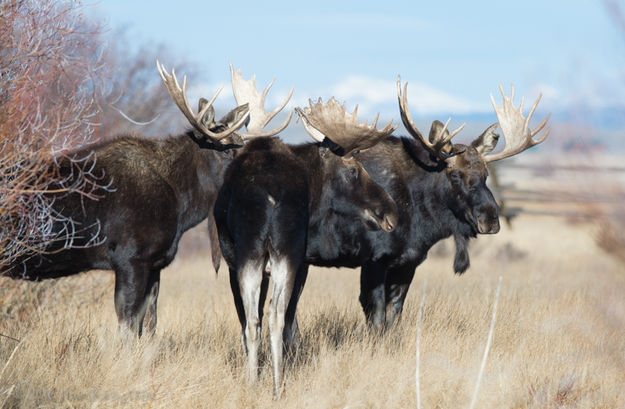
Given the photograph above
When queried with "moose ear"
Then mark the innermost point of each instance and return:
(436, 133)
(209, 117)
(487, 141)
(235, 115)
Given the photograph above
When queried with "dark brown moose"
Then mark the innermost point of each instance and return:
(159, 189)
(440, 191)
(275, 197)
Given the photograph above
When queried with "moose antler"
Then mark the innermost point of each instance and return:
(516, 128)
(331, 120)
(179, 96)
(439, 142)
(245, 92)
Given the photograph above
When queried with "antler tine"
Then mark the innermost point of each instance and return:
(542, 124)
(210, 102)
(275, 112)
(445, 140)
(515, 127)
(331, 120)
(435, 149)
(375, 122)
(441, 137)
(406, 118)
(454, 133)
(246, 92)
(312, 131)
(179, 96)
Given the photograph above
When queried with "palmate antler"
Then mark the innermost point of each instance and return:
(515, 127)
(179, 96)
(245, 93)
(331, 120)
(439, 143)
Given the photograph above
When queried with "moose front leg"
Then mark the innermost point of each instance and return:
(372, 294)
(396, 287)
(131, 290)
(291, 329)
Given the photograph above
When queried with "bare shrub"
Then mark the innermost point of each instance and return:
(50, 81)
(136, 100)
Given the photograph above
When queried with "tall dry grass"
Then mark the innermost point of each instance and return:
(558, 341)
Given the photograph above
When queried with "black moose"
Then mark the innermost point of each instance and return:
(440, 191)
(159, 189)
(275, 198)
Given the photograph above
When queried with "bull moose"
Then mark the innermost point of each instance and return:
(440, 191)
(275, 197)
(159, 189)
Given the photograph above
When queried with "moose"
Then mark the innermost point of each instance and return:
(275, 198)
(159, 189)
(440, 191)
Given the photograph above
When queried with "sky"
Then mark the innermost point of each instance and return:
(452, 53)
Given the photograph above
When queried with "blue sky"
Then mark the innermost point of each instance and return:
(453, 53)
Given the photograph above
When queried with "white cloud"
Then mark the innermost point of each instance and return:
(374, 95)
(424, 99)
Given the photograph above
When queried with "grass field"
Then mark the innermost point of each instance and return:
(558, 341)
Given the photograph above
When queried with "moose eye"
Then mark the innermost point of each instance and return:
(456, 176)
(351, 173)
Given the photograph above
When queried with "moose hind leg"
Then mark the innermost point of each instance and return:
(250, 279)
(283, 278)
(238, 303)
(149, 322)
(130, 298)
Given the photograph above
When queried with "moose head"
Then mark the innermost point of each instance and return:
(471, 200)
(341, 136)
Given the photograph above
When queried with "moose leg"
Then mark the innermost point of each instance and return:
(149, 322)
(250, 280)
(130, 298)
(264, 286)
(396, 287)
(238, 303)
(291, 329)
(372, 294)
(282, 275)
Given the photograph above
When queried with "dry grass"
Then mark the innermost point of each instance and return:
(558, 342)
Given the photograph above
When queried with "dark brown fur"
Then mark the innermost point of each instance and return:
(160, 189)
(435, 200)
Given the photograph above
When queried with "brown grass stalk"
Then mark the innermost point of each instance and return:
(557, 342)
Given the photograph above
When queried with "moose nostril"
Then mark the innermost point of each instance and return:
(390, 223)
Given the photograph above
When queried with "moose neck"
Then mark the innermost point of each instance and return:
(334, 234)
(196, 172)
(317, 164)
(436, 214)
